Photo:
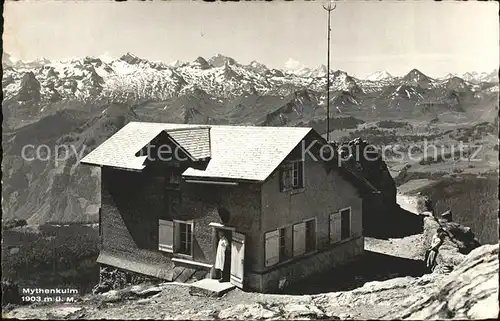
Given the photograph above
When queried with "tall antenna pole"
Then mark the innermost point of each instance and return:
(328, 8)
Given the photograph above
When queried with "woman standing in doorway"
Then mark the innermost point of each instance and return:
(221, 264)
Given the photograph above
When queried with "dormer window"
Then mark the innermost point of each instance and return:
(292, 175)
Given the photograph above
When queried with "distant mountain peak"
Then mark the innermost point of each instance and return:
(320, 71)
(257, 67)
(201, 63)
(478, 77)
(416, 74)
(457, 84)
(7, 59)
(255, 63)
(416, 78)
(220, 60)
(339, 73)
(131, 58)
(379, 75)
(415, 71)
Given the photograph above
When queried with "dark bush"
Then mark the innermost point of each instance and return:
(11, 223)
(392, 124)
(10, 292)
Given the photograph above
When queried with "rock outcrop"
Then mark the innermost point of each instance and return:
(30, 88)
(459, 242)
(470, 292)
(112, 279)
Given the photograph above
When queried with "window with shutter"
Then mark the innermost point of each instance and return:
(335, 227)
(299, 239)
(165, 235)
(272, 248)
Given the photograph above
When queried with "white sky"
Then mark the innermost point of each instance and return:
(367, 36)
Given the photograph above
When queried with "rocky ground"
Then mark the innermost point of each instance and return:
(469, 291)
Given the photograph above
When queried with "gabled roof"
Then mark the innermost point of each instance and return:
(195, 140)
(236, 152)
(120, 150)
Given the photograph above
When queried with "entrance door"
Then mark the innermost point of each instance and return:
(237, 259)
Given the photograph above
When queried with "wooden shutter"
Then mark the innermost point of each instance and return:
(237, 259)
(335, 226)
(299, 239)
(272, 247)
(165, 236)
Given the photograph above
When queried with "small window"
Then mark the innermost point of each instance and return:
(310, 235)
(345, 223)
(292, 175)
(183, 238)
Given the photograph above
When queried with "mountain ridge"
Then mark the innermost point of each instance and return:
(84, 101)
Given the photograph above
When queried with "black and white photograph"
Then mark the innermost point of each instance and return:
(242, 160)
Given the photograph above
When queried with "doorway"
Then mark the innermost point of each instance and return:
(228, 234)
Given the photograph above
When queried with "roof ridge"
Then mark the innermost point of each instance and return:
(225, 125)
(186, 128)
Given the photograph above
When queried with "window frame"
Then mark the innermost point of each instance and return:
(283, 248)
(350, 222)
(176, 246)
(296, 176)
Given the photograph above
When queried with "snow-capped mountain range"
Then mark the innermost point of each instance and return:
(379, 75)
(476, 77)
(131, 77)
(84, 101)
